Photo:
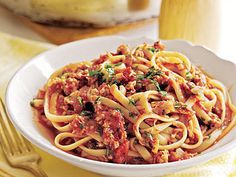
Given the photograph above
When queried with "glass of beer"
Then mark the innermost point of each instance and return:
(197, 21)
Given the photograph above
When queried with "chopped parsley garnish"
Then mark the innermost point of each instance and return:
(111, 75)
(115, 81)
(80, 100)
(118, 109)
(109, 69)
(86, 113)
(97, 100)
(132, 115)
(149, 135)
(164, 93)
(178, 105)
(132, 101)
(156, 85)
(118, 64)
(191, 85)
(188, 75)
(95, 73)
(98, 74)
(140, 77)
(81, 126)
(152, 49)
(150, 74)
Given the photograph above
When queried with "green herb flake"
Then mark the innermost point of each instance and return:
(152, 72)
(156, 85)
(188, 75)
(101, 80)
(140, 77)
(80, 100)
(97, 100)
(115, 81)
(159, 72)
(86, 113)
(108, 66)
(152, 49)
(118, 109)
(149, 135)
(98, 74)
(132, 115)
(94, 73)
(118, 64)
(178, 105)
(163, 93)
(191, 85)
(109, 69)
(132, 101)
(81, 126)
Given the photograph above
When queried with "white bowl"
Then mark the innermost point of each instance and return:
(32, 76)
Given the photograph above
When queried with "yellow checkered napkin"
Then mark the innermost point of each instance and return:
(14, 52)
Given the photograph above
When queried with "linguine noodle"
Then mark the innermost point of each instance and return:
(144, 105)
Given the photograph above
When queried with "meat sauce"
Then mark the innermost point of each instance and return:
(78, 88)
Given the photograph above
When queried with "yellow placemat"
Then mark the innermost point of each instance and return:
(14, 52)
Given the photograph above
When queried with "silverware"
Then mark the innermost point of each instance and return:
(18, 151)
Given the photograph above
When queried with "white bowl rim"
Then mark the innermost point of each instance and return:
(66, 156)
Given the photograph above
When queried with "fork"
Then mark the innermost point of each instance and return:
(18, 151)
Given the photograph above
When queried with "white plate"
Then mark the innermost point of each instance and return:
(32, 76)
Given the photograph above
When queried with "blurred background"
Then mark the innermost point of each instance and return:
(205, 22)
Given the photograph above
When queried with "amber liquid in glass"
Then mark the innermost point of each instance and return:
(193, 20)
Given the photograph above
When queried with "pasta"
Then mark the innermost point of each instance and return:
(139, 106)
